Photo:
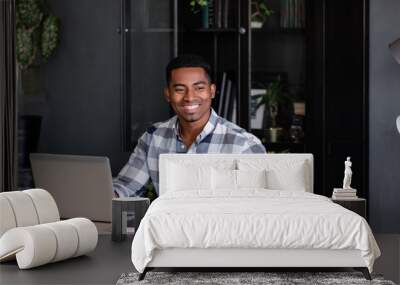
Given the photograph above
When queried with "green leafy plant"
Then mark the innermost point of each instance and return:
(260, 11)
(29, 13)
(196, 5)
(275, 94)
(150, 191)
(37, 32)
(50, 34)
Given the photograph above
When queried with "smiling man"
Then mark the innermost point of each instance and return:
(196, 128)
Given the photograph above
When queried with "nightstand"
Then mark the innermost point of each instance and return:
(358, 205)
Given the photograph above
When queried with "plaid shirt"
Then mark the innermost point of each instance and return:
(217, 136)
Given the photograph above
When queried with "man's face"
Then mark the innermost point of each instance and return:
(190, 94)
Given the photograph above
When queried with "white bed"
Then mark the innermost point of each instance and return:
(220, 210)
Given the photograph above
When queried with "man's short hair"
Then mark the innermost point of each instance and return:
(188, 60)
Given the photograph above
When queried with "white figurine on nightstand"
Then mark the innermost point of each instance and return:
(347, 174)
(347, 192)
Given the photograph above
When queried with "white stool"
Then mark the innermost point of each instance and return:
(31, 230)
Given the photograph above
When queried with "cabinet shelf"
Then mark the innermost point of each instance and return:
(283, 146)
(245, 58)
(279, 31)
(151, 30)
(159, 30)
(211, 30)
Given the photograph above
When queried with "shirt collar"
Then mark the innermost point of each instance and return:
(208, 128)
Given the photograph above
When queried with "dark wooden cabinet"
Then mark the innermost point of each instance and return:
(148, 41)
(339, 106)
(280, 50)
(358, 206)
(224, 44)
(332, 73)
(326, 59)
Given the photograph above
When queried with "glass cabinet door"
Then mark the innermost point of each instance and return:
(278, 74)
(150, 43)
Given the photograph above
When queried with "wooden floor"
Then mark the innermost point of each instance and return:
(110, 260)
(389, 262)
(102, 266)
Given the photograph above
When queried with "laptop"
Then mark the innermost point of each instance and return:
(80, 185)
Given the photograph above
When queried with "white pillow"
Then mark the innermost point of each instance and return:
(287, 174)
(292, 179)
(203, 161)
(251, 178)
(223, 179)
(183, 177)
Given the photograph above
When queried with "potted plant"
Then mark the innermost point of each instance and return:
(37, 35)
(274, 95)
(150, 191)
(259, 13)
(194, 4)
(201, 6)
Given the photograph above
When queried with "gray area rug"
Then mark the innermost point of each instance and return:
(233, 278)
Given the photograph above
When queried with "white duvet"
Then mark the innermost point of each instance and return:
(251, 218)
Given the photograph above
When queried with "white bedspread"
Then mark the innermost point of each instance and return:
(251, 218)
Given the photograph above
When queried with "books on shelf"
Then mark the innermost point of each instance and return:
(211, 15)
(227, 99)
(225, 14)
(215, 14)
(293, 14)
(221, 94)
(341, 190)
(344, 194)
(256, 115)
(218, 13)
(344, 198)
(234, 117)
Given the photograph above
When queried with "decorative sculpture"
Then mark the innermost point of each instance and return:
(347, 174)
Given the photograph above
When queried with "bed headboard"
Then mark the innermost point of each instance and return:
(235, 161)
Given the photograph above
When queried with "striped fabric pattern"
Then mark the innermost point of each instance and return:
(218, 136)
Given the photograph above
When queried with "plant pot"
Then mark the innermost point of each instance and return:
(28, 138)
(31, 81)
(275, 134)
(256, 24)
